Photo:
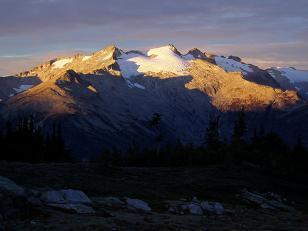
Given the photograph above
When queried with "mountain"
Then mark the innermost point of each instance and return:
(12, 85)
(249, 71)
(107, 99)
(291, 78)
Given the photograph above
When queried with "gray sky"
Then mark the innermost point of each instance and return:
(263, 32)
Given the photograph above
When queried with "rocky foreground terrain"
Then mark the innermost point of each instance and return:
(96, 197)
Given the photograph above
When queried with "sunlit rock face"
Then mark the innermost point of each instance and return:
(107, 99)
(231, 92)
(250, 72)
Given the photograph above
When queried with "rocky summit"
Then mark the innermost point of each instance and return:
(106, 100)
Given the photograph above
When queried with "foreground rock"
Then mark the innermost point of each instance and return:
(139, 205)
(112, 213)
(69, 199)
(266, 200)
(12, 199)
(9, 187)
(195, 207)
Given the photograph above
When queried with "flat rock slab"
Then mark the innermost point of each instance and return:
(68, 196)
(195, 207)
(138, 205)
(10, 187)
(68, 199)
(266, 200)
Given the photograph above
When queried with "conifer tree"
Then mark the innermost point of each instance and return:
(240, 127)
(212, 134)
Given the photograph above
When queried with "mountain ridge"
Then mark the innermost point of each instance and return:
(108, 98)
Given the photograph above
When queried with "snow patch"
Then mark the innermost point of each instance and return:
(162, 59)
(139, 86)
(61, 63)
(132, 85)
(87, 57)
(230, 65)
(294, 76)
(214, 207)
(22, 88)
(189, 57)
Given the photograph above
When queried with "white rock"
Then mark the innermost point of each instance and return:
(8, 186)
(138, 205)
(219, 209)
(75, 196)
(213, 207)
(195, 209)
(265, 201)
(53, 197)
(68, 199)
(205, 205)
(65, 196)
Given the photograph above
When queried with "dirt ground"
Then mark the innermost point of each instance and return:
(156, 186)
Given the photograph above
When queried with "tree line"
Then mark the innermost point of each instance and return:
(24, 141)
(263, 150)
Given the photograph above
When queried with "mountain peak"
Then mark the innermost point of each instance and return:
(174, 49)
(164, 50)
(235, 58)
(111, 51)
(196, 53)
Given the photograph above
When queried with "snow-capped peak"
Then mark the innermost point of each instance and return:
(157, 60)
(196, 53)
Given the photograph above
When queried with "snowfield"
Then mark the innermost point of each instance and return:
(87, 57)
(162, 59)
(230, 65)
(61, 63)
(293, 75)
(23, 88)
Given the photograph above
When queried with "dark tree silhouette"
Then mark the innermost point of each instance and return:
(212, 135)
(25, 141)
(240, 127)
